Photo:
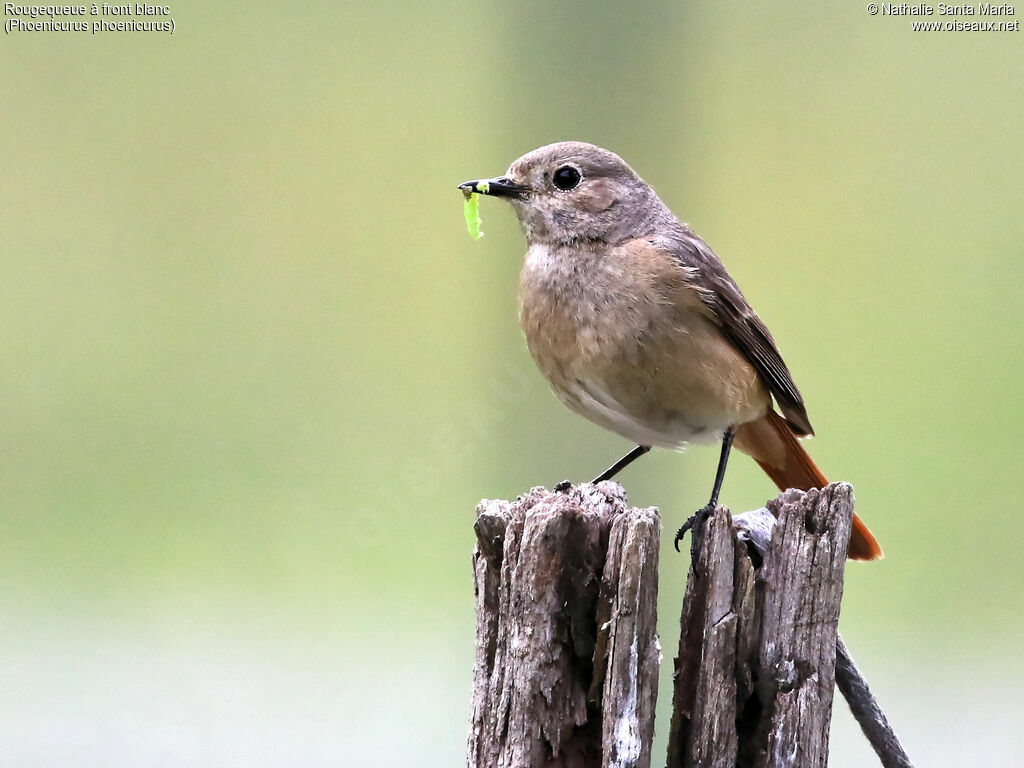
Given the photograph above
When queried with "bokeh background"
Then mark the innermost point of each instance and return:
(255, 376)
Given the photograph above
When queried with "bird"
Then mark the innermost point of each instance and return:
(637, 326)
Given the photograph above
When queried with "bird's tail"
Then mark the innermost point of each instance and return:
(772, 444)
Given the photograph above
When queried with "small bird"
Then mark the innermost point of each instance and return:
(638, 327)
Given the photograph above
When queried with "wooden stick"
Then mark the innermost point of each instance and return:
(867, 712)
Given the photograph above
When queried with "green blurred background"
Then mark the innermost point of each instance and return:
(255, 375)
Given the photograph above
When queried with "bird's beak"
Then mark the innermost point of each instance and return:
(502, 186)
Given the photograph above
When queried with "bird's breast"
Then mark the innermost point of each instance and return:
(625, 340)
(579, 308)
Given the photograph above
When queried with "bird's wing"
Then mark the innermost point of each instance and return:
(739, 323)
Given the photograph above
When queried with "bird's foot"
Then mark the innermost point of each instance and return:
(695, 524)
(563, 486)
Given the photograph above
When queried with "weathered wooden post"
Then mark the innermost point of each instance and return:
(755, 673)
(567, 651)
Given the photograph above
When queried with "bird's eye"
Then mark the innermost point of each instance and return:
(566, 178)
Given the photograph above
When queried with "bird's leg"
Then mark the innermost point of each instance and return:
(613, 470)
(622, 463)
(697, 519)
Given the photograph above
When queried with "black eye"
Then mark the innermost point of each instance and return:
(566, 178)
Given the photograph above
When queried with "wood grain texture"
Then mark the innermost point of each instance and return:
(755, 672)
(566, 644)
(567, 654)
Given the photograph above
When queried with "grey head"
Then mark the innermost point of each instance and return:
(573, 193)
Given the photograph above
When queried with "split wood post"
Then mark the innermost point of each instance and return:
(567, 651)
(567, 654)
(755, 674)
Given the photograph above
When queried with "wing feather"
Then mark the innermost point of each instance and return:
(739, 322)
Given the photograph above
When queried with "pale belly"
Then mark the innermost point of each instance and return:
(637, 357)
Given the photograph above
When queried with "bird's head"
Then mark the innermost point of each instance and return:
(572, 193)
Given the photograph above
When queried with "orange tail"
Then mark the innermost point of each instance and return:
(772, 444)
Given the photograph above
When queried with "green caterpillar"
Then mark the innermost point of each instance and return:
(471, 209)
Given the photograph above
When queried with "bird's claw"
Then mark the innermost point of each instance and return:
(694, 523)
